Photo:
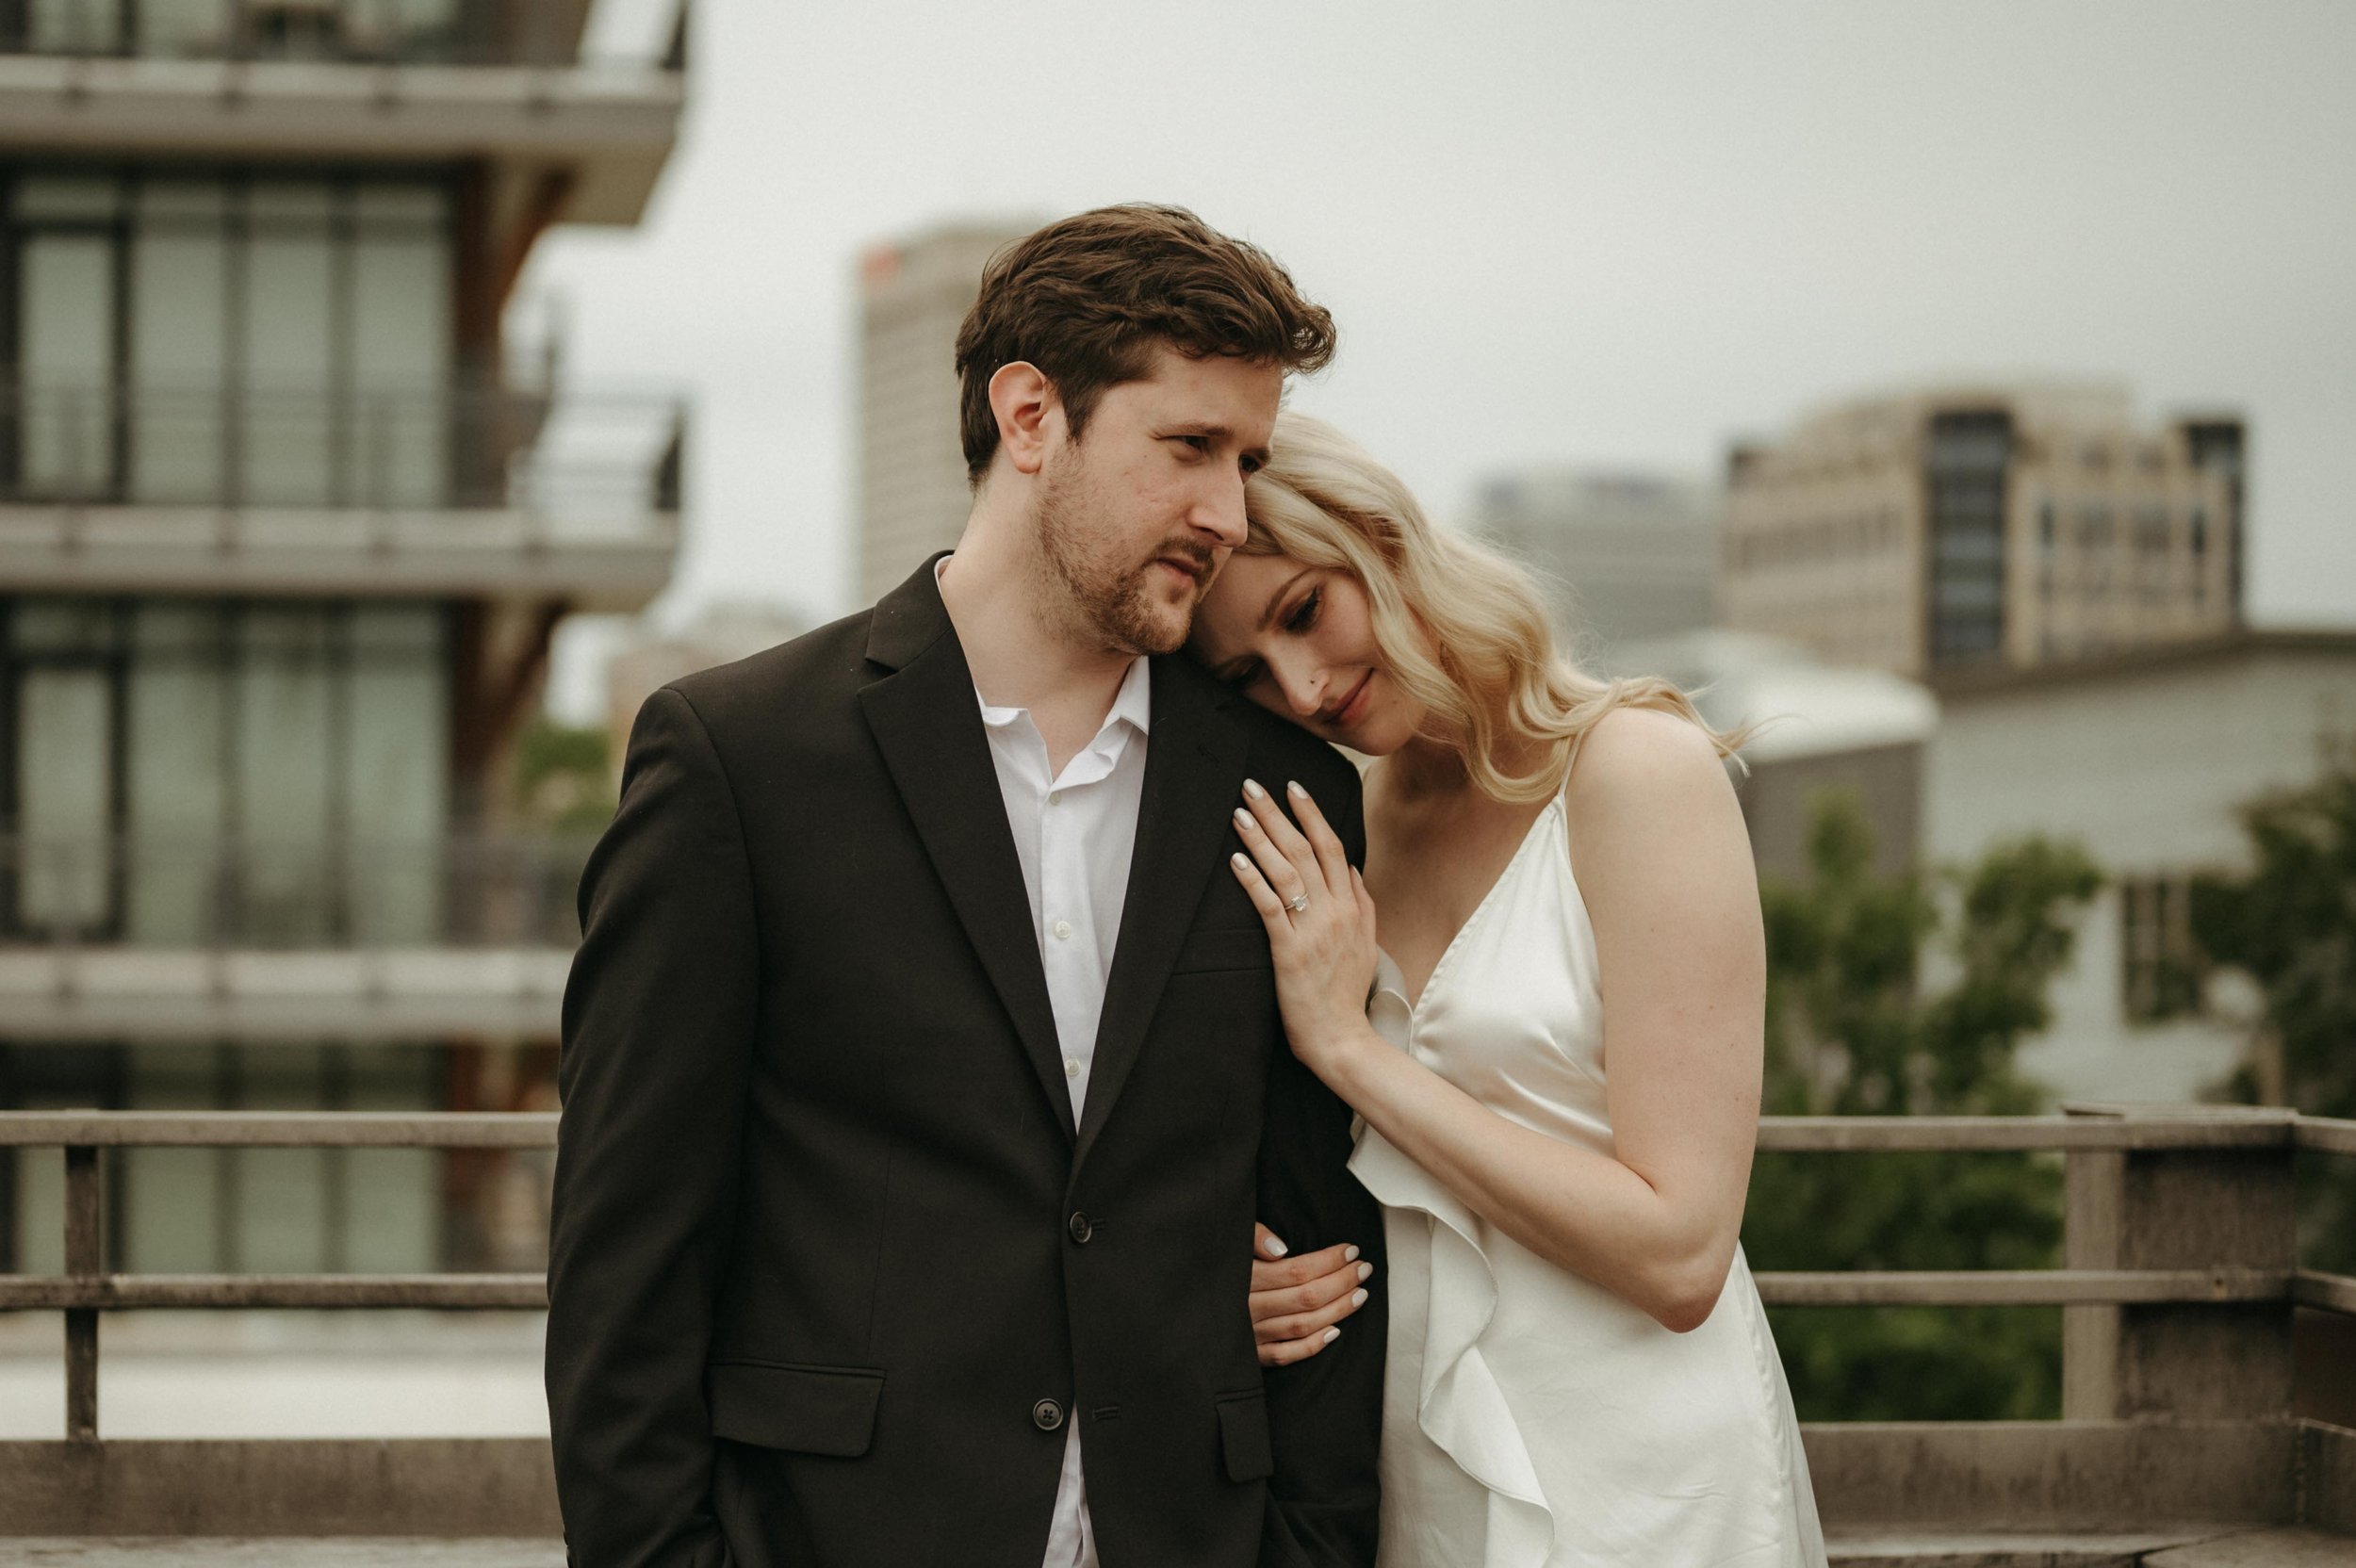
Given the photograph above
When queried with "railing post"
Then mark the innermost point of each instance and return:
(2179, 1208)
(84, 1260)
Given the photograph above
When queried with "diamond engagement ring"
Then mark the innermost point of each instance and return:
(1297, 903)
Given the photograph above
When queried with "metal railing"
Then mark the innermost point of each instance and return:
(461, 890)
(384, 449)
(2179, 1290)
(537, 33)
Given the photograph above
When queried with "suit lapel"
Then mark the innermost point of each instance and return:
(928, 726)
(1194, 766)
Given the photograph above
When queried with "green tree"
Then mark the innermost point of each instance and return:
(562, 779)
(2289, 924)
(1908, 995)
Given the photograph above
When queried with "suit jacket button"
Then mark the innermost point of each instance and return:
(1081, 1227)
(1047, 1416)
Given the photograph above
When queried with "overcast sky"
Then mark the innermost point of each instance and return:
(1570, 232)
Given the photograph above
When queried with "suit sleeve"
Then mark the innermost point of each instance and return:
(1325, 1413)
(657, 1031)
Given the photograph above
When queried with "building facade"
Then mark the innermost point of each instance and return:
(1624, 557)
(1967, 527)
(282, 540)
(2142, 758)
(912, 494)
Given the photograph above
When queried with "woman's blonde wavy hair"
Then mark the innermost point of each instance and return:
(1460, 628)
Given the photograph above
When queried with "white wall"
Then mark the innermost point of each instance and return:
(2143, 766)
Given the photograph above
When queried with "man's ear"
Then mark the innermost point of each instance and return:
(1023, 401)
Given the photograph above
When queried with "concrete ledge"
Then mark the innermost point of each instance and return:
(440, 1487)
(2327, 1476)
(609, 563)
(2066, 1476)
(1963, 1549)
(348, 994)
(290, 1551)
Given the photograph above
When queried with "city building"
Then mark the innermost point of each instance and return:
(2142, 758)
(912, 494)
(282, 540)
(1622, 557)
(1966, 527)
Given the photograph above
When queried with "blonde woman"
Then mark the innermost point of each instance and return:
(1579, 1368)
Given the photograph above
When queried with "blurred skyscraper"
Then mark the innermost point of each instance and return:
(913, 296)
(1625, 558)
(1969, 527)
(281, 544)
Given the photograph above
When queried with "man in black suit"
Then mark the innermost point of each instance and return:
(922, 1073)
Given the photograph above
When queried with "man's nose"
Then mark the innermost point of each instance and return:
(1220, 513)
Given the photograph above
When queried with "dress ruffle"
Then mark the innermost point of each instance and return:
(1461, 1407)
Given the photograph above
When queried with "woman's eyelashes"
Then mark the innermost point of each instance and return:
(1302, 617)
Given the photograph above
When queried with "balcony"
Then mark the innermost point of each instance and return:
(463, 490)
(2178, 1445)
(369, 80)
(368, 32)
(274, 940)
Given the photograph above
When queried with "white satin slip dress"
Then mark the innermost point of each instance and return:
(1531, 1419)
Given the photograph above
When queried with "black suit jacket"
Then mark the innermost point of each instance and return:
(830, 1262)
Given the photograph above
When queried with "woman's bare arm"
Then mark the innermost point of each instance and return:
(1664, 866)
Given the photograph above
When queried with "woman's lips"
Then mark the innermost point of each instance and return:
(1353, 706)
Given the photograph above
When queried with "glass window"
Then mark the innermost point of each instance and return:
(397, 763)
(185, 28)
(66, 316)
(284, 764)
(65, 766)
(179, 347)
(177, 785)
(288, 359)
(282, 1197)
(393, 1197)
(90, 197)
(400, 353)
(172, 1198)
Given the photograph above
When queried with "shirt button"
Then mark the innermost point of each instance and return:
(1071, 1067)
(1081, 1227)
(1054, 797)
(1047, 1416)
(1063, 930)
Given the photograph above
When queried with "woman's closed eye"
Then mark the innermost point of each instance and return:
(1303, 618)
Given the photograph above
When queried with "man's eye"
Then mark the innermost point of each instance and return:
(1304, 615)
(1197, 444)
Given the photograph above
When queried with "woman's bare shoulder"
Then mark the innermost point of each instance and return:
(1631, 753)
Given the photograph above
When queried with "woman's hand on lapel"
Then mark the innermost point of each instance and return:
(1321, 924)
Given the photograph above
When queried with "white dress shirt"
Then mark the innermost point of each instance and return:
(1075, 833)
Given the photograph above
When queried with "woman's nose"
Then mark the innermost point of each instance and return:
(1303, 684)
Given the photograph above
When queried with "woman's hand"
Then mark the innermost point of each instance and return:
(1298, 1303)
(1319, 919)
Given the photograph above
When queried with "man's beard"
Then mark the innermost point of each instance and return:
(1115, 602)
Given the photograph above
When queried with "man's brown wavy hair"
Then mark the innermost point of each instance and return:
(1090, 298)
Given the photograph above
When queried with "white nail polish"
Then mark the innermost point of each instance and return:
(1243, 818)
(1277, 1248)
(1357, 1298)
(1366, 1271)
(1332, 1334)
(1251, 787)
(1295, 791)
(1350, 1253)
